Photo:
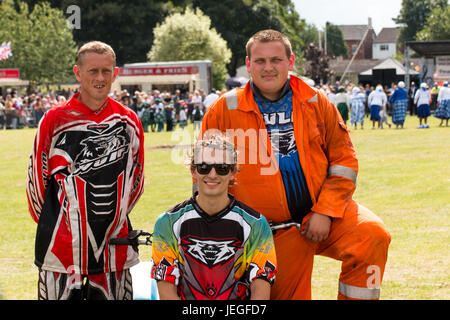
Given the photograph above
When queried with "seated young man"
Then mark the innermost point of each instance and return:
(212, 246)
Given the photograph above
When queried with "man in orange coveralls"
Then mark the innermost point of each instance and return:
(298, 163)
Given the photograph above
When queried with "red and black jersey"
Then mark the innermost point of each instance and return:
(84, 177)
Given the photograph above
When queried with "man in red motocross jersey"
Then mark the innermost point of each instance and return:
(85, 175)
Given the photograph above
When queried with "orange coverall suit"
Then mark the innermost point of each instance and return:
(357, 237)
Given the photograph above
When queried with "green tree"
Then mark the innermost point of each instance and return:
(237, 21)
(316, 66)
(125, 25)
(250, 16)
(42, 45)
(336, 45)
(413, 16)
(437, 26)
(189, 36)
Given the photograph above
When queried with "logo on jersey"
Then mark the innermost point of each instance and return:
(101, 150)
(283, 141)
(210, 252)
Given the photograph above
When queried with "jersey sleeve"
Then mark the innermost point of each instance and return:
(165, 252)
(263, 263)
(138, 167)
(38, 167)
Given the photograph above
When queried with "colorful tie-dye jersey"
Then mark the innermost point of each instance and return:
(213, 257)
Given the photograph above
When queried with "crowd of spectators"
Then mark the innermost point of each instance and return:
(25, 110)
(158, 111)
(331, 90)
(347, 91)
(164, 111)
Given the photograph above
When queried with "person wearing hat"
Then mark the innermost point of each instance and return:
(443, 104)
(422, 99)
(342, 102)
(399, 100)
(376, 100)
(357, 107)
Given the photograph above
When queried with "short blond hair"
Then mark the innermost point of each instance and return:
(95, 47)
(269, 35)
(214, 141)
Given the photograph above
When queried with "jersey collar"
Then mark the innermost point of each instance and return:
(216, 216)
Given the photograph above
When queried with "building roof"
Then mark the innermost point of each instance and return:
(357, 66)
(166, 63)
(13, 82)
(387, 35)
(157, 79)
(430, 48)
(353, 32)
(390, 63)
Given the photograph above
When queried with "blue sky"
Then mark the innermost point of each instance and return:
(318, 12)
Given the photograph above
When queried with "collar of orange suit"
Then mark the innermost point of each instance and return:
(286, 88)
(300, 89)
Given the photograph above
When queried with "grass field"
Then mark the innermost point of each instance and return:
(403, 177)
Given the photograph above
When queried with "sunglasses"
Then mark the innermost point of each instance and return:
(222, 169)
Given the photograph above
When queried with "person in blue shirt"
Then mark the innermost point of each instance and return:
(399, 101)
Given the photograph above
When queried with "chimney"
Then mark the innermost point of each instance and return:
(369, 23)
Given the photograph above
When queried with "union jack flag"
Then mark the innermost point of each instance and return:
(5, 50)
